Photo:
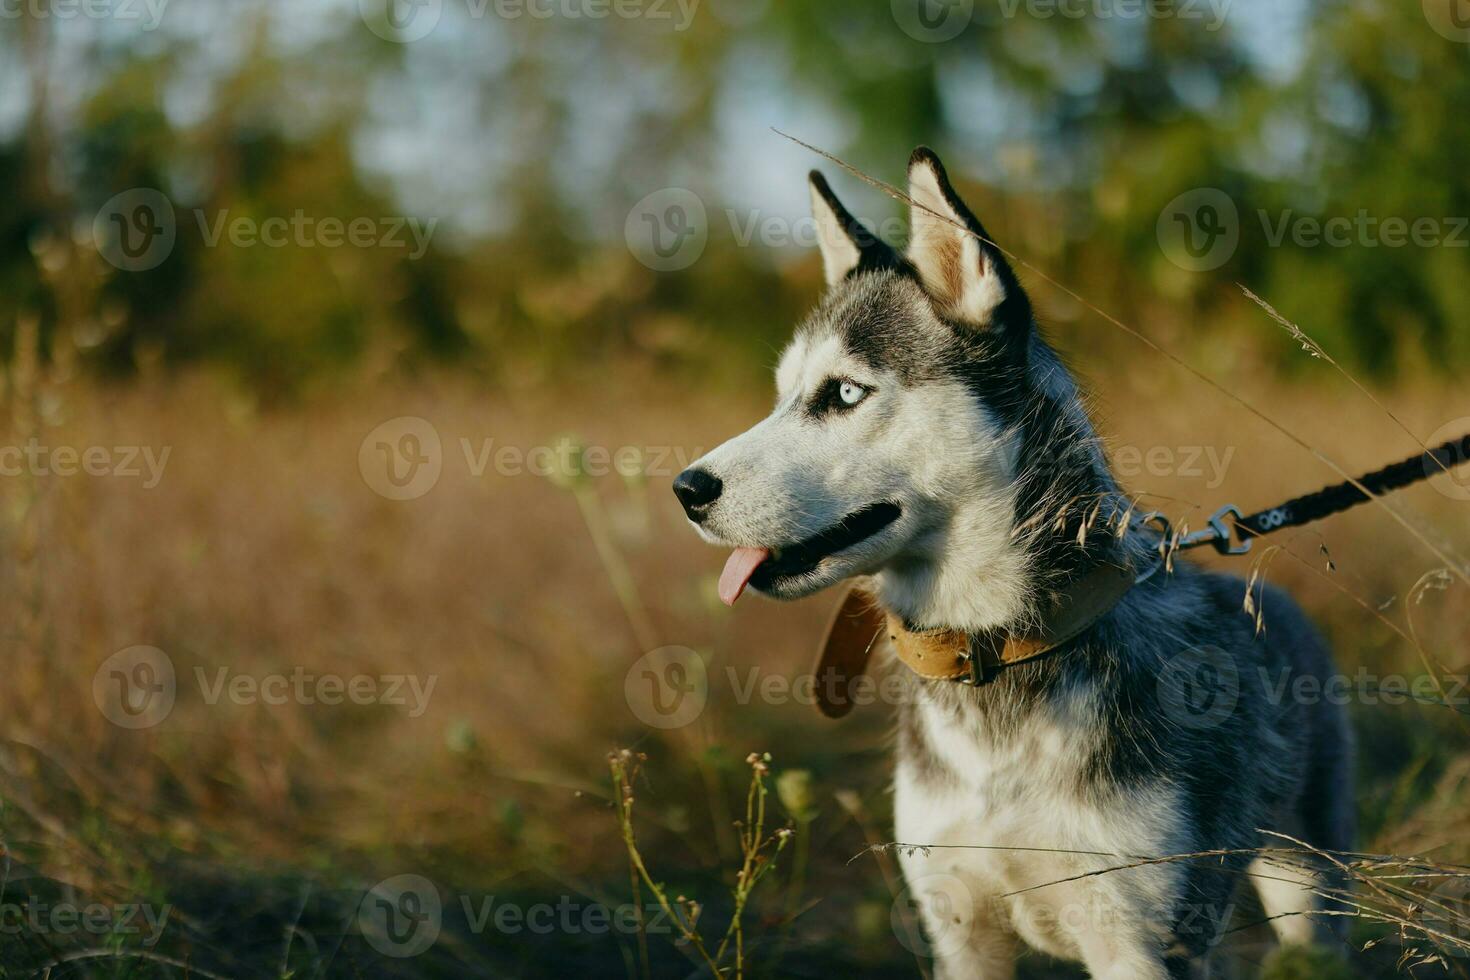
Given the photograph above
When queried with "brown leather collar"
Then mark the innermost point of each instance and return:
(954, 655)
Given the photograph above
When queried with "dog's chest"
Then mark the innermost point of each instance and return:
(1026, 789)
(1010, 815)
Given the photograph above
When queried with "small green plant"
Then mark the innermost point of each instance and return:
(1306, 963)
(758, 852)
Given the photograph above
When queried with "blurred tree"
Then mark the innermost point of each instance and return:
(530, 139)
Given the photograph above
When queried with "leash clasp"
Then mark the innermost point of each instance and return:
(1219, 534)
(1216, 532)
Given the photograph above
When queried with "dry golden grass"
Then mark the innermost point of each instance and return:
(263, 549)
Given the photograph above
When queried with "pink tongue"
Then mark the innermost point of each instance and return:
(738, 570)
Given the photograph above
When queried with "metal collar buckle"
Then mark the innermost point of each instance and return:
(975, 662)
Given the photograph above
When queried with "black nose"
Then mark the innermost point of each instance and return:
(697, 490)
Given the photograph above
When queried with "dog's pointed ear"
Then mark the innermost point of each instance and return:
(845, 242)
(966, 275)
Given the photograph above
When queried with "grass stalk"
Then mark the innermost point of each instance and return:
(758, 850)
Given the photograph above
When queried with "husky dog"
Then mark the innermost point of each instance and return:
(927, 440)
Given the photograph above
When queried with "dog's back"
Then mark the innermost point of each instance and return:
(1305, 697)
(1310, 712)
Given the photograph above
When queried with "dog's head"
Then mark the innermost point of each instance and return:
(899, 426)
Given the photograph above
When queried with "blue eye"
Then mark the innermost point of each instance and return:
(851, 393)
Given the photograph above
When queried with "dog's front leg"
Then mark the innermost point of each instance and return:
(1121, 960)
(968, 942)
(964, 928)
(1135, 968)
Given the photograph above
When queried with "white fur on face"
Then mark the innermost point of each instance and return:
(929, 447)
(792, 476)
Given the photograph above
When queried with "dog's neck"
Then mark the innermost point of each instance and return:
(981, 574)
(999, 556)
(969, 576)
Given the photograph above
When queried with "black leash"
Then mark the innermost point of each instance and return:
(1231, 532)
